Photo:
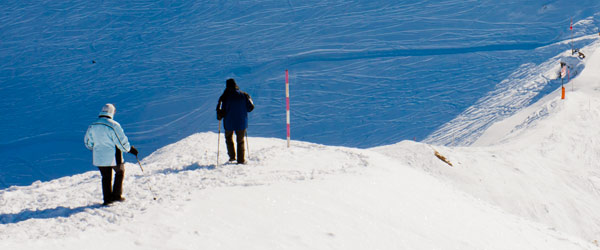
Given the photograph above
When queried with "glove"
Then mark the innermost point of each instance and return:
(133, 151)
(220, 114)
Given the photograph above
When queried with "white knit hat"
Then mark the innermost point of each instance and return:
(108, 110)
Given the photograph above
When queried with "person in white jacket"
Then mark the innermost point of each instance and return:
(106, 139)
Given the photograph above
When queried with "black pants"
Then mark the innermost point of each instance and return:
(239, 137)
(113, 192)
(109, 192)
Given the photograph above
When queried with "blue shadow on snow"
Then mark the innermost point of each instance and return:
(43, 214)
(192, 167)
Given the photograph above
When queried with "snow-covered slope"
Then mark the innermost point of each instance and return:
(531, 183)
(540, 164)
(307, 197)
(385, 70)
(524, 86)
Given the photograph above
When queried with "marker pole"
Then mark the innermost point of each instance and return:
(571, 28)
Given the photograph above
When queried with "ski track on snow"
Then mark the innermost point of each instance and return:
(519, 90)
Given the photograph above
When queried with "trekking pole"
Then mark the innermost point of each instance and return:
(218, 142)
(150, 188)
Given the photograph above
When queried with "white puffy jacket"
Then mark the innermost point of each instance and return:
(101, 137)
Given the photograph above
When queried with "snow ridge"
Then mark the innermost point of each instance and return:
(306, 197)
(173, 172)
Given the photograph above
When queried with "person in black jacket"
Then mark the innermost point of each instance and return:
(233, 108)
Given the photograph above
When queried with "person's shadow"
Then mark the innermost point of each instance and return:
(44, 214)
(192, 167)
(67, 211)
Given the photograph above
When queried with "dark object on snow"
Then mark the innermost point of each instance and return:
(233, 107)
(133, 151)
(442, 158)
(579, 54)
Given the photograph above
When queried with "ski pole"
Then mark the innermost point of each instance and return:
(247, 144)
(218, 142)
(150, 188)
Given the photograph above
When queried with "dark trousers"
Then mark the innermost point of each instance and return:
(113, 192)
(239, 137)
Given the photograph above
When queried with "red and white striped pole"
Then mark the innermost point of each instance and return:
(287, 101)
